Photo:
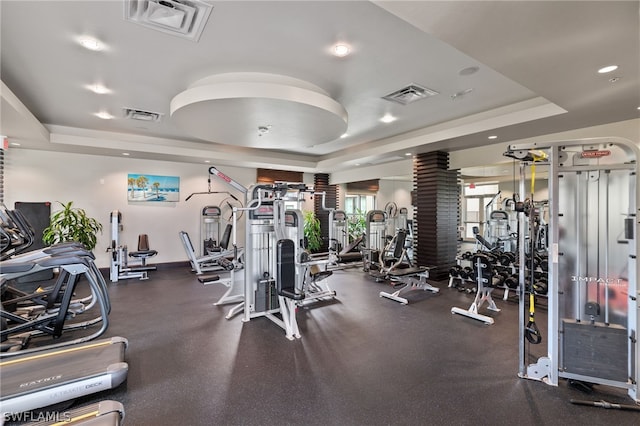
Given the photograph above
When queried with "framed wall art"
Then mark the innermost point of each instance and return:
(152, 188)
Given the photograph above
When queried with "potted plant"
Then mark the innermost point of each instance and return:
(312, 232)
(357, 225)
(72, 224)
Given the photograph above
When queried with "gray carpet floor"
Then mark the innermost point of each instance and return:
(362, 360)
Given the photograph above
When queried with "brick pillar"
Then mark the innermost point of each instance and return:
(436, 213)
(321, 184)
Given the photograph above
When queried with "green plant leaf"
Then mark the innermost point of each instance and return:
(72, 224)
(312, 231)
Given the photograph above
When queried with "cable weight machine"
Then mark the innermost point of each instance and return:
(592, 264)
(274, 268)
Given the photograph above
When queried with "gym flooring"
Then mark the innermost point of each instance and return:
(362, 360)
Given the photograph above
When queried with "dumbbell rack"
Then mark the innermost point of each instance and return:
(469, 277)
(483, 271)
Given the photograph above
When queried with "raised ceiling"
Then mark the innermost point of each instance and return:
(535, 73)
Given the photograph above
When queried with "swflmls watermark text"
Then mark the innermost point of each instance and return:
(42, 416)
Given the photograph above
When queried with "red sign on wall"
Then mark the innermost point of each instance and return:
(595, 154)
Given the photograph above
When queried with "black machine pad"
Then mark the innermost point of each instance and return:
(208, 278)
(286, 278)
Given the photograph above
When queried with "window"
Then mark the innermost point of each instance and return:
(356, 207)
(475, 201)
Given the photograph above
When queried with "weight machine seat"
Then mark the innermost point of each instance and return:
(391, 261)
(144, 252)
(317, 274)
(482, 240)
(350, 257)
(499, 215)
(403, 272)
(206, 279)
(355, 243)
(224, 241)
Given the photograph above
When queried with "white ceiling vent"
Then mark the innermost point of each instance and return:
(138, 114)
(183, 18)
(409, 94)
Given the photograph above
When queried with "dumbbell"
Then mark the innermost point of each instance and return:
(455, 271)
(466, 273)
(511, 282)
(541, 286)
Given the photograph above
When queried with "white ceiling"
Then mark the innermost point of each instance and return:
(537, 62)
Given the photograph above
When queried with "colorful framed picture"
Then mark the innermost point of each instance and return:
(152, 188)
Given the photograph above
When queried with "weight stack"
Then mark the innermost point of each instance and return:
(436, 213)
(321, 184)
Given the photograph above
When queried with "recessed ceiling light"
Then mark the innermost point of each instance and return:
(126, 154)
(341, 50)
(344, 135)
(207, 161)
(263, 130)
(98, 88)
(104, 115)
(388, 118)
(91, 43)
(607, 69)
(492, 137)
(460, 94)
(469, 70)
(15, 144)
(407, 154)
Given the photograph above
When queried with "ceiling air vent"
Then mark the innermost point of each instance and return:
(410, 94)
(183, 18)
(138, 114)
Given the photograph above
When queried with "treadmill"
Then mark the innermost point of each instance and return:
(103, 413)
(51, 376)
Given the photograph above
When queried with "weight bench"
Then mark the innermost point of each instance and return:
(347, 254)
(413, 278)
(394, 269)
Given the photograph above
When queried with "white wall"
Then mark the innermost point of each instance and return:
(99, 185)
(398, 191)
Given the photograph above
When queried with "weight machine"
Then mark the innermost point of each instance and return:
(341, 251)
(314, 279)
(209, 229)
(375, 239)
(389, 257)
(338, 230)
(274, 281)
(592, 268)
(219, 259)
(119, 268)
